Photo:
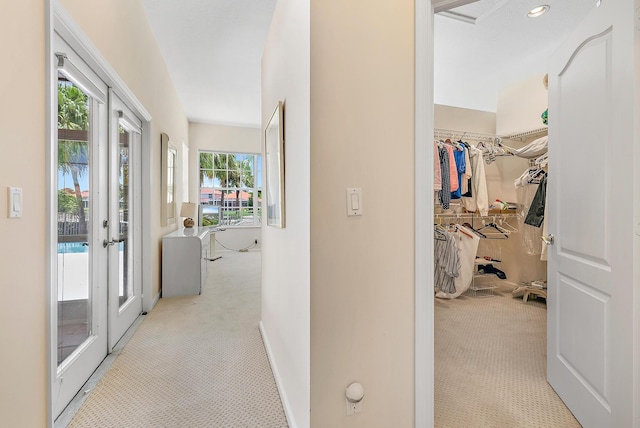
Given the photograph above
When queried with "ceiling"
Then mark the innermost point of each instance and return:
(213, 50)
(473, 62)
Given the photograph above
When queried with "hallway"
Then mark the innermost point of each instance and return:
(194, 361)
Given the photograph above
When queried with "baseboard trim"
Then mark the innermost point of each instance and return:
(156, 299)
(274, 368)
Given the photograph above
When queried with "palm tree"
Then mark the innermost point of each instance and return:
(73, 154)
(66, 203)
(244, 176)
(222, 167)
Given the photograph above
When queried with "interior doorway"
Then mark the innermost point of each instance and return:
(499, 128)
(592, 33)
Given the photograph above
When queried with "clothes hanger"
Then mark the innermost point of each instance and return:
(504, 224)
(497, 230)
(459, 229)
(480, 234)
(439, 233)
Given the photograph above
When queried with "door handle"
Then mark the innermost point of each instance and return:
(114, 241)
(548, 239)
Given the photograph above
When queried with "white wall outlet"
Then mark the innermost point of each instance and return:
(353, 407)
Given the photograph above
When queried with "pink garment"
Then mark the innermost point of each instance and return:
(437, 174)
(453, 171)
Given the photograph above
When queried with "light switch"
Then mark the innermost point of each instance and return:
(15, 202)
(354, 201)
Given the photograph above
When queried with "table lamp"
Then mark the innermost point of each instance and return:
(188, 210)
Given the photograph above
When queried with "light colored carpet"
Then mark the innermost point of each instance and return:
(196, 361)
(490, 364)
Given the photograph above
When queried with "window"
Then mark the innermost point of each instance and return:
(230, 189)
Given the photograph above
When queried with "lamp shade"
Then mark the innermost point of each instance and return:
(188, 210)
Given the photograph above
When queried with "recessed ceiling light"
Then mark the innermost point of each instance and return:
(537, 11)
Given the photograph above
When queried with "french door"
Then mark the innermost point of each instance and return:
(98, 247)
(81, 310)
(124, 225)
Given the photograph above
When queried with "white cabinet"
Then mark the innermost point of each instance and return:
(185, 253)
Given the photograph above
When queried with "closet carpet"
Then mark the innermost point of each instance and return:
(196, 361)
(490, 364)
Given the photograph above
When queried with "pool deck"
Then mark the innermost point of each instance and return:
(73, 276)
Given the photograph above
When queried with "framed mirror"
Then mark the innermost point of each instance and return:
(274, 160)
(168, 172)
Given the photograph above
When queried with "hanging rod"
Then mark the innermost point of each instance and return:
(503, 215)
(478, 136)
(456, 134)
(539, 132)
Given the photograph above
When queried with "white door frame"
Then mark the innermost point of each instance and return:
(424, 310)
(57, 17)
(424, 307)
(71, 373)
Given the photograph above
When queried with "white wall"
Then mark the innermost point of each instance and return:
(463, 119)
(362, 268)
(229, 239)
(22, 246)
(520, 107)
(286, 252)
(222, 138)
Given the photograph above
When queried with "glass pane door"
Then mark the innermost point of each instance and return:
(74, 217)
(125, 255)
(80, 275)
(125, 279)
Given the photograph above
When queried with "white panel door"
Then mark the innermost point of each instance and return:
(591, 147)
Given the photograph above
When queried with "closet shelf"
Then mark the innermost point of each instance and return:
(483, 283)
(470, 215)
(459, 135)
(481, 290)
(478, 136)
(521, 136)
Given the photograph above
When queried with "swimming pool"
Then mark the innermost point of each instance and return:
(72, 247)
(77, 247)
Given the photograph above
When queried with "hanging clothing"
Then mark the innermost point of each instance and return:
(437, 171)
(535, 217)
(460, 164)
(467, 248)
(444, 195)
(532, 150)
(453, 172)
(530, 235)
(466, 177)
(531, 175)
(543, 256)
(446, 262)
(479, 201)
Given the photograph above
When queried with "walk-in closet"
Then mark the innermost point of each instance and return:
(490, 169)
